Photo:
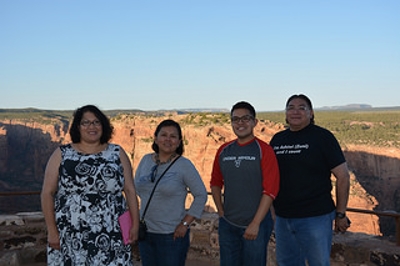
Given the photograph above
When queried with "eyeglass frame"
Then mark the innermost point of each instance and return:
(87, 123)
(153, 173)
(301, 108)
(244, 119)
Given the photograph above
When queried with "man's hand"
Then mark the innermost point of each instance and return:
(251, 231)
(342, 224)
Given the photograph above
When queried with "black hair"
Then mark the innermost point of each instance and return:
(107, 128)
(244, 105)
(304, 98)
(169, 123)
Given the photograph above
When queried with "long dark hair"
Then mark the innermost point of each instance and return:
(169, 123)
(107, 128)
(306, 99)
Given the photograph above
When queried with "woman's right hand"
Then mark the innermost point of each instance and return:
(53, 240)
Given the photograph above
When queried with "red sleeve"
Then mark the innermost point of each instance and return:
(270, 170)
(216, 175)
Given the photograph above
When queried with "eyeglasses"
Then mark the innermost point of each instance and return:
(153, 173)
(301, 108)
(245, 119)
(87, 123)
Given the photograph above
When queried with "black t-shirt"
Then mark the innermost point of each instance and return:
(305, 159)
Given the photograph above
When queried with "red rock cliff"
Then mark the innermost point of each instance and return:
(26, 146)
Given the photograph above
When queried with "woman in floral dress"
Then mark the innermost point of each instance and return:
(88, 184)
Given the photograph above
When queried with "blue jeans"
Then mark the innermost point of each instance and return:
(237, 251)
(163, 250)
(304, 239)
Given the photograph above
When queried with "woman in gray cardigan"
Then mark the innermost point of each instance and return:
(168, 222)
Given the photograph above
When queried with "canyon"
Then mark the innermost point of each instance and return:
(25, 146)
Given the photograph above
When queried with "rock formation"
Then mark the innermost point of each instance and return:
(25, 147)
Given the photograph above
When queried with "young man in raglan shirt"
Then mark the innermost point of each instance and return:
(246, 168)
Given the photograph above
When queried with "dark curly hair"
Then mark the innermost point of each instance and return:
(107, 128)
(169, 123)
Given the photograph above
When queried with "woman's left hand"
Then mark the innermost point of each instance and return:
(180, 231)
(133, 235)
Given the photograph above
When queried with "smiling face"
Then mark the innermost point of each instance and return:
(243, 124)
(298, 114)
(90, 128)
(167, 140)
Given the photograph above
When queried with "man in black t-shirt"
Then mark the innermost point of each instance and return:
(307, 156)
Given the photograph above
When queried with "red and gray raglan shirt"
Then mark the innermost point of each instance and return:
(245, 172)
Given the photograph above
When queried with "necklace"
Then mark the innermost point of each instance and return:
(158, 162)
(89, 149)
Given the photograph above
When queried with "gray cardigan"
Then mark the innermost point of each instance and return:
(167, 207)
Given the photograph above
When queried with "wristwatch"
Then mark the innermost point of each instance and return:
(186, 224)
(340, 215)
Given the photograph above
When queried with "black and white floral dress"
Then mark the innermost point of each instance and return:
(87, 205)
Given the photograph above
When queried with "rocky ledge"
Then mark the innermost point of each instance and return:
(23, 242)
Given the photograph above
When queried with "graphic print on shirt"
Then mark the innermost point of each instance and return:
(238, 159)
(290, 149)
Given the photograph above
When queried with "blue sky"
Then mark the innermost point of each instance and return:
(154, 55)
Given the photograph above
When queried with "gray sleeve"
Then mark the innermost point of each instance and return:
(197, 188)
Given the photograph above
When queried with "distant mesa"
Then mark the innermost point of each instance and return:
(354, 106)
(114, 112)
(204, 110)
